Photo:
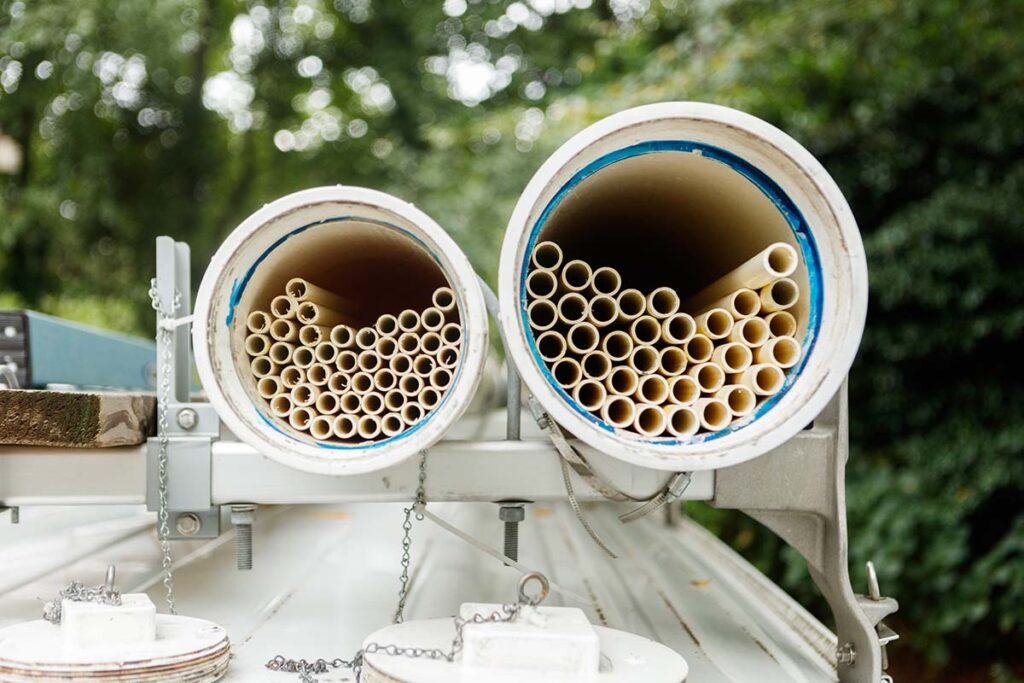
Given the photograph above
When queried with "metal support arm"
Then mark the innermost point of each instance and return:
(799, 492)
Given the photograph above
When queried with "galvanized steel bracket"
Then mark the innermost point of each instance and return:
(191, 427)
(799, 492)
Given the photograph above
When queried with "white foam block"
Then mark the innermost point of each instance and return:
(557, 640)
(89, 624)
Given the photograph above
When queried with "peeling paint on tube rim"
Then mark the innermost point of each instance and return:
(310, 234)
(695, 171)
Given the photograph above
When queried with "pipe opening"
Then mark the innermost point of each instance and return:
(596, 365)
(338, 383)
(542, 314)
(618, 345)
(572, 308)
(395, 400)
(567, 372)
(698, 257)
(576, 276)
(257, 344)
(268, 387)
(678, 328)
(387, 325)
(262, 366)
(292, 376)
(344, 426)
(650, 420)
(551, 346)
(606, 281)
(372, 403)
(682, 421)
(258, 322)
(346, 361)
(618, 411)
(684, 389)
(590, 394)
(672, 361)
(631, 304)
(645, 330)
(583, 338)
(412, 412)
(444, 299)
(699, 349)
(303, 357)
(663, 302)
(622, 380)
(714, 414)
(317, 374)
(541, 284)
(547, 255)
(327, 404)
(644, 359)
(362, 382)
(652, 389)
(343, 336)
(602, 311)
(350, 402)
(400, 364)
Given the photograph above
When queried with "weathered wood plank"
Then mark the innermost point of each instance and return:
(73, 419)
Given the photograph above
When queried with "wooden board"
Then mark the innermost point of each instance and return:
(75, 418)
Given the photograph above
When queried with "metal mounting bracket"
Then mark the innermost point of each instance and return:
(191, 427)
(800, 494)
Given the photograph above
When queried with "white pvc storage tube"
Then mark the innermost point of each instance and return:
(680, 194)
(379, 252)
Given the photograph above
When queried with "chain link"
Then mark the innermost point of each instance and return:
(403, 580)
(77, 592)
(307, 669)
(165, 339)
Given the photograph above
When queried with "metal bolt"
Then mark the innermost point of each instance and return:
(846, 655)
(242, 516)
(188, 524)
(187, 418)
(512, 515)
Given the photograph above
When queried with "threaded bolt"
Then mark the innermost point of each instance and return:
(242, 516)
(512, 515)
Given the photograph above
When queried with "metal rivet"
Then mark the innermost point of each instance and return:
(187, 418)
(188, 524)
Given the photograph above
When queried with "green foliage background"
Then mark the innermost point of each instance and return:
(916, 107)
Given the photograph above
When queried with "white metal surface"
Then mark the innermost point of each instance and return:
(814, 193)
(215, 343)
(325, 577)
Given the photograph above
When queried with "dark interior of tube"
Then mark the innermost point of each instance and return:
(675, 219)
(378, 267)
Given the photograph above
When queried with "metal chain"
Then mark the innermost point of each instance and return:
(164, 336)
(76, 591)
(403, 580)
(504, 614)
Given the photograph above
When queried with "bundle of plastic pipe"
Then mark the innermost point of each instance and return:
(654, 363)
(321, 369)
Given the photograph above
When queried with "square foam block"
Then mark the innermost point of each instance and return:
(556, 640)
(90, 625)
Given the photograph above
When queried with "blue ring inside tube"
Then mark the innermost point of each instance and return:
(782, 202)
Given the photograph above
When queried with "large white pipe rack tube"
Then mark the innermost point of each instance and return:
(688, 204)
(354, 255)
